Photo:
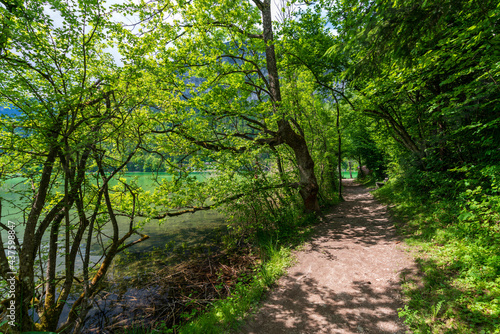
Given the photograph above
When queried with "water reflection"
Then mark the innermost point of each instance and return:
(173, 237)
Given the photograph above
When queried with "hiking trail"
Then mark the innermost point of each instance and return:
(345, 280)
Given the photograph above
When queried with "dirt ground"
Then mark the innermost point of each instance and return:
(346, 279)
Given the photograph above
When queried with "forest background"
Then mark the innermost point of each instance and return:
(407, 88)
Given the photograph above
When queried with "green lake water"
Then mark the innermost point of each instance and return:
(346, 175)
(128, 281)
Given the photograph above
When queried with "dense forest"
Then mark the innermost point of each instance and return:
(271, 99)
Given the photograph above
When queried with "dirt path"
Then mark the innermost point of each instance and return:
(346, 280)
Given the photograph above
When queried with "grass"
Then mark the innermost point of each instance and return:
(456, 244)
(226, 315)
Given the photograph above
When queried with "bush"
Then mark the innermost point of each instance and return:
(458, 240)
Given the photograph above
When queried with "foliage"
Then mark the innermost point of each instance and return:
(207, 99)
(458, 255)
(433, 80)
(427, 73)
(216, 89)
(73, 114)
(361, 145)
(408, 88)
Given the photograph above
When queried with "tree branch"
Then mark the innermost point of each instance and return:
(224, 201)
(235, 27)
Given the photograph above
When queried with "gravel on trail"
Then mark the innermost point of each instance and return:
(345, 280)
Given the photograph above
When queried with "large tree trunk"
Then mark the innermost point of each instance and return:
(307, 179)
(308, 185)
(27, 254)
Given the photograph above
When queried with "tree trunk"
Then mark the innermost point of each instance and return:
(339, 164)
(308, 184)
(27, 254)
(340, 149)
(307, 179)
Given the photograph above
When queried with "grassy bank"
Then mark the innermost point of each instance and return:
(227, 314)
(456, 243)
(234, 298)
(275, 247)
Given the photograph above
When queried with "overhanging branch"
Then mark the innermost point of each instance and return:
(224, 201)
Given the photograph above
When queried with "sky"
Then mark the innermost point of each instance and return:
(7, 111)
(276, 11)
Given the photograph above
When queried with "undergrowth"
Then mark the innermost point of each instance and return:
(275, 246)
(269, 233)
(456, 243)
(227, 314)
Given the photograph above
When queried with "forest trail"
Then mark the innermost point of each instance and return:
(345, 280)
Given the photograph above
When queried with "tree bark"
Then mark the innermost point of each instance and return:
(27, 253)
(339, 134)
(307, 179)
